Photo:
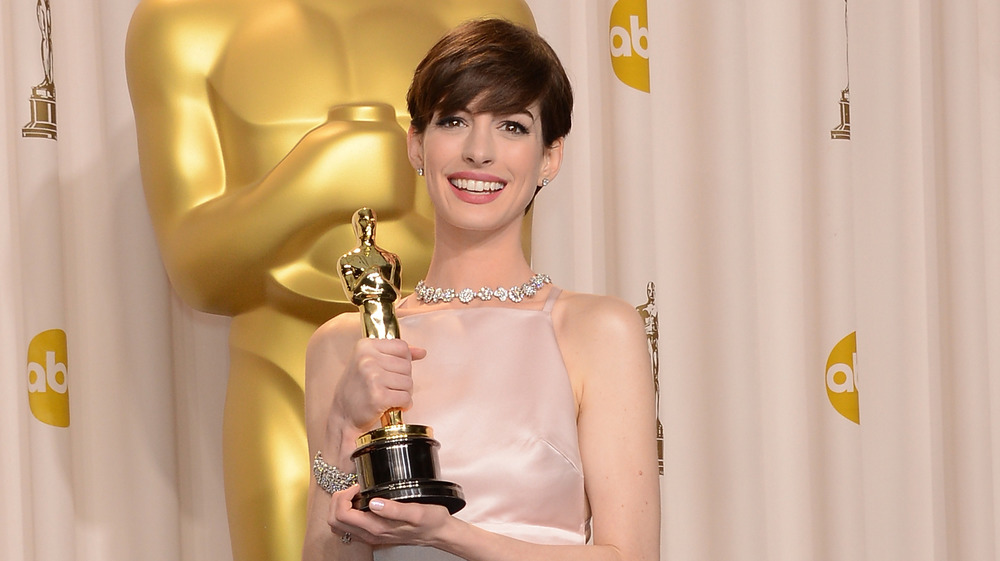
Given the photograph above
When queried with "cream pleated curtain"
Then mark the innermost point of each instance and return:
(127, 479)
(773, 242)
(926, 183)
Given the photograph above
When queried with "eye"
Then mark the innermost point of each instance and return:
(513, 127)
(450, 122)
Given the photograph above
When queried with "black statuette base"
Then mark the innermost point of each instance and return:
(403, 468)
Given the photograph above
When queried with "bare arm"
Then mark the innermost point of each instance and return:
(325, 364)
(604, 340)
(351, 381)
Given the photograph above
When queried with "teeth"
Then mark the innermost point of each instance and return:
(477, 186)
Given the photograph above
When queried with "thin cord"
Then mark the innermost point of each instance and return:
(847, 36)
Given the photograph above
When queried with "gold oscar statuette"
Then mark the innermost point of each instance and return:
(396, 461)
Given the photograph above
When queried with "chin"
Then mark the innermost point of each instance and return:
(485, 220)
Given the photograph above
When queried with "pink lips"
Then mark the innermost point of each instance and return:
(476, 188)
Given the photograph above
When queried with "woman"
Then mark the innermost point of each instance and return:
(543, 401)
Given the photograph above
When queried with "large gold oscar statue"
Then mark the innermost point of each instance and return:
(262, 125)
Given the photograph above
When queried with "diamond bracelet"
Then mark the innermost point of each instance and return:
(329, 478)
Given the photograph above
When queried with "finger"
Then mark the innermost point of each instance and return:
(379, 349)
(385, 508)
(340, 509)
(396, 400)
(392, 347)
(388, 390)
(363, 526)
(396, 365)
(390, 373)
(414, 514)
(392, 381)
(345, 518)
(417, 353)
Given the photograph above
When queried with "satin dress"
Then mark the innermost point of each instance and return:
(495, 390)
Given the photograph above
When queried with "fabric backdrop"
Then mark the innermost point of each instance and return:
(712, 155)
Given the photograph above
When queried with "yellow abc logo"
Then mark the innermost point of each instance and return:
(48, 386)
(630, 43)
(842, 377)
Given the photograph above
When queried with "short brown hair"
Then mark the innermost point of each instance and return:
(501, 66)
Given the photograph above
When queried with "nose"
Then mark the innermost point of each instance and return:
(479, 149)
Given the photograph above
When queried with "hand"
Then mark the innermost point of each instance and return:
(325, 163)
(377, 378)
(389, 522)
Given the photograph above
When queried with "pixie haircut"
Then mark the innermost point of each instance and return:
(498, 66)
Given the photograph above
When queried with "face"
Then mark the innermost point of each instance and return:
(364, 226)
(482, 168)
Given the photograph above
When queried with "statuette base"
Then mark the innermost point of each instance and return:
(400, 462)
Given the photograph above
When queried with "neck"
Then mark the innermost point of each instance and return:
(464, 258)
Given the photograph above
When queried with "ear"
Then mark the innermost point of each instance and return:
(552, 160)
(415, 147)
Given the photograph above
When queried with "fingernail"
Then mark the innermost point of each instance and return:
(376, 504)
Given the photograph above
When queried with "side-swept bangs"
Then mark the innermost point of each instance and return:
(492, 65)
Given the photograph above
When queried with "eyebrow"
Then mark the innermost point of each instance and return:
(524, 111)
(519, 112)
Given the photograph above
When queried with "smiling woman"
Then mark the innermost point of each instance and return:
(540, 397)
(480, 98)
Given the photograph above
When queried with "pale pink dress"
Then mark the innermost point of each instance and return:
(495, 390)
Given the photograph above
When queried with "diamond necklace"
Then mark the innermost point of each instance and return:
(431, 295)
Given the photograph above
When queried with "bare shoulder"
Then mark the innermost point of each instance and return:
(327, 353)
(582, 317)
(332, 341)
(602, 341)
(337, 324)
(328, 350)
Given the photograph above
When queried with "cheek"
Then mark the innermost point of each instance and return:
(435, 186)
(527, 158)
(438, 149)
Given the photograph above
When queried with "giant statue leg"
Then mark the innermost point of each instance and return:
(265, 454)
